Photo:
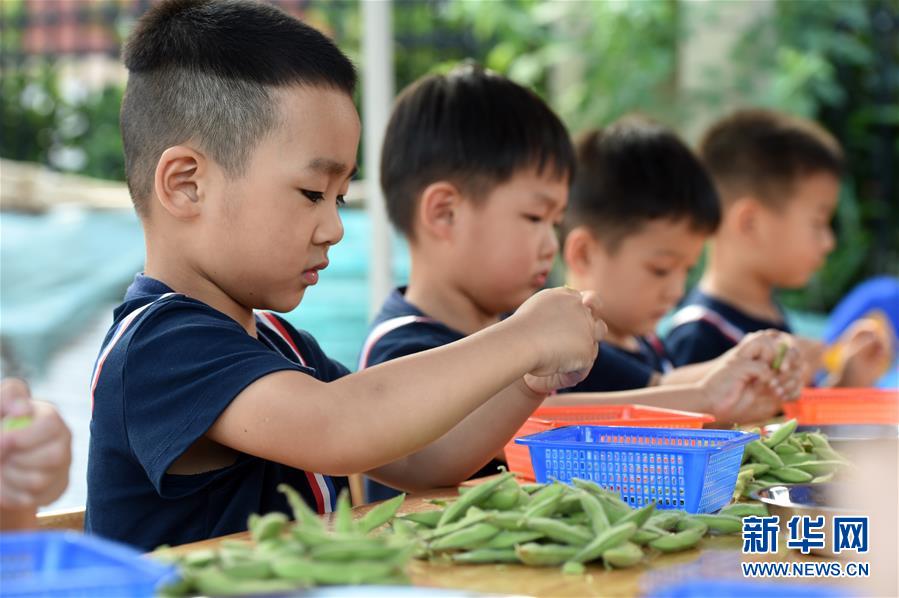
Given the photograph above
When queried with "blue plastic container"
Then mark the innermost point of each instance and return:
(701, 588)
(72, 564)
(695, 470)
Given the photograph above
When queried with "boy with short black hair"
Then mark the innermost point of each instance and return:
(778, 178)
(475, 172)
(640, 211)
(240, 136)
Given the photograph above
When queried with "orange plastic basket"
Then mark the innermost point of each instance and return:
(518, 456)
(822, 406)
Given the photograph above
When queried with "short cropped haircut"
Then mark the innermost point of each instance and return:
(473, 128)
(205, 71)
(635, 171)
(763, 153)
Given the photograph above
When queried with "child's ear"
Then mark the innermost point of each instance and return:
(577, 251)
(438, 209)
(745, 214)
(177, 181)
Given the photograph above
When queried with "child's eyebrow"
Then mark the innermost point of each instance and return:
(332, 167)
(547, 200)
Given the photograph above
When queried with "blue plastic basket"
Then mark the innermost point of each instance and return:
(695, 470)
(72, 564)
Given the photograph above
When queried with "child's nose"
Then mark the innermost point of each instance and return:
(330, 229)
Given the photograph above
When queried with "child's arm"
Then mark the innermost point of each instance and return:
(383, 413)
(734, 391)
(467, 447)
(35, 455)
(762, 346)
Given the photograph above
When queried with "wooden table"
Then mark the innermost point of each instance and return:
(716, 557)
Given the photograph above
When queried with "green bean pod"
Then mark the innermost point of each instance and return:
(610, 538)
(763, 454)
(647, 534)
(781, 433)
(380, 514)
(559, 531)
(267, 526)
(486, 555)
(722, 524)
(745, 510)
(544, 555)
(302, 513)
(682, 540)
(785, 448)
(626, 554)
(755, 468)
(792, 475)
(509, 539)
(639, 516)
(792, 460)
(332, 573)
(458, 508)
(599, 521)
(426, 518)
(666, 520)
(215, 582)
(474, 516)
(469, 537)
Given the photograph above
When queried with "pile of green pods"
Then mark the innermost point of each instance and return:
(548, 525)
(787, 457)
(284, 556)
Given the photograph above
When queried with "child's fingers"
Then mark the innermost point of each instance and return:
(46, 427)
(50, 455)
(14, 398)
(592, 301)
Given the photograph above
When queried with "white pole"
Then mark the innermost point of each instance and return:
(377, 98)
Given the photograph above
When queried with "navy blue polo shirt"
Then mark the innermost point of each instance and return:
(705, 327)
(617, 369)
(401, 329)
(169, 366)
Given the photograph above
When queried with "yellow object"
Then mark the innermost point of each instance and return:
(14, 423)
(835, 355)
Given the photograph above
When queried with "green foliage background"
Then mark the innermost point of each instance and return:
(835, 61)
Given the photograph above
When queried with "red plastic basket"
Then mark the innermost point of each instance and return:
(823, 406)
(548, 418)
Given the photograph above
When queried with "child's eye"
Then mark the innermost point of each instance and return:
(313, 196)
(317, 196)
(660, 272)
(532, 218)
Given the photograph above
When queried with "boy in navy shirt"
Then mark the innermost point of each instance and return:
(778, 178)
(240, 138)
(478, 195)
(641, 208)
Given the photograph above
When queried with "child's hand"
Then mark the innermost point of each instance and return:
(563, 329)
(865, 356)
(811, 357)
(34, 458)
(740, 390)
(777, 349)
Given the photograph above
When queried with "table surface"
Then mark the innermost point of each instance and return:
(715, 557)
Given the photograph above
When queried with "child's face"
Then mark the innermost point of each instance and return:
(794, 241)
(506, 244)
(644, 277)
(267, 232)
